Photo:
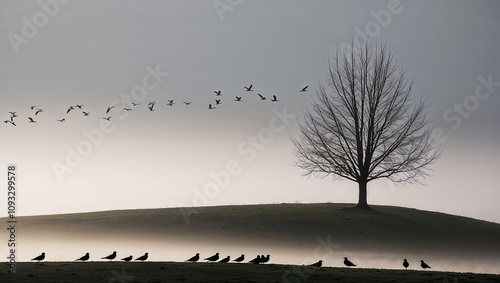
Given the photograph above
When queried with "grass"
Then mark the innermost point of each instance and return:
(214, 272)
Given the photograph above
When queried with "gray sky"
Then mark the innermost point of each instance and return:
(97, 52)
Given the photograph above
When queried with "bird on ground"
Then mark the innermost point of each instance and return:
(238, 98)
(264, 259)
(261, 97)
(424, 265)
(217, 101)
(38, 111)
(317, 264)
(304, 89)
(109, 108)
(215, 257)
(111, 256)
(151, 107)
(31, 120)
(225, 260)
(61, 120)
(107, 118)
(126, 109)
(84, 258)
(256, 260)
(195, 258)
(187, 103)
(405, 263)
(274, 98)
(79, 106)
(69, 109)
(129, 258)
(143, 257)
(217, 92)
(248, 88)
(210, 106)
(240, 258)
(85, 113)
(39, 258)
(347, 262)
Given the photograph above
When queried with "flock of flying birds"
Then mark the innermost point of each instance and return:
(215, 258)
(151, 106)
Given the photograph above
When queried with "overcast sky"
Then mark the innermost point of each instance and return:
(105, 53)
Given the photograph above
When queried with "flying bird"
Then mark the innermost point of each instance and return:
(347, 262)
(217, 101)
(13, 114)
(195, 258)
(85, 113)
(84, 258)
(135, 104)
(61, 120)
(225, 260)
(210, 106)
(109, 108)
(39, 258)
(9, 121)
(107, 118)
(256, 260)
(151, 103)
(317, 264)
(31, 120)
(215, 257)
(69, 109)
(38, 111)
(170, 102)
(424, 265)
(264, 259)
(217, 92)
(240, 258)
(304, 89)
(126, 109)
(187, 103)
(143, 257)
(405, 263)
(111, 256)
(238, 98)
(33, 107)
(129, 258)
(79, 106)
(248, 88)
(261, 97)
(151, 107)
(274, 98)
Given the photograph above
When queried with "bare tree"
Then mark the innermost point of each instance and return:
(366, 124)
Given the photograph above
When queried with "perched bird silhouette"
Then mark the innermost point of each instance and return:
(248, 88)
(38, 111)
(39, 258)
(240, 258)
(31, 120)
(109, 108)
(405, 263)
(107, 118)
(217, 92)
(217, 101)
(215, 257)
(347, 262)
(424, 265)
(61, 120)
(195, 258)
(274, 98)
(143, 257)
(225, 260)
(317, 264)
(111, 256)
(238, 98)
(261, 97)
(69, 109)
(304, 89)
(85, 113)
(264, 259)
(256, 260)
(129, 258)
(84, 258)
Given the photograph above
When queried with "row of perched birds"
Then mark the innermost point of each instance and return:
(150, 106)
(215, 258)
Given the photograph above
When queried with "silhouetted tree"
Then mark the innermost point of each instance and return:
(366, 124)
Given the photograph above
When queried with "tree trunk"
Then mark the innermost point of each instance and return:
(362, 203)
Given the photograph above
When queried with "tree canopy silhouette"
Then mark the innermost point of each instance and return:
(366, 123)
